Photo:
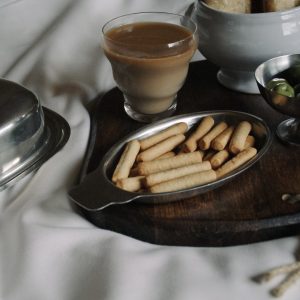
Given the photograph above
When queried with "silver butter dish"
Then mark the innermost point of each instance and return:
(97, 191)
(29, 133)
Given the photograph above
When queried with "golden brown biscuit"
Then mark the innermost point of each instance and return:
(184, 182)
(162, 135)
(233, 6)
(126, 161)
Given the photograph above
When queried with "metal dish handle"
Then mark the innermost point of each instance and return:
(96, 193)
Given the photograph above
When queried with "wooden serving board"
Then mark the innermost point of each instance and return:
(246, 210)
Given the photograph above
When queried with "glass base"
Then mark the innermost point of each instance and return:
(289, 131)
(148, 118)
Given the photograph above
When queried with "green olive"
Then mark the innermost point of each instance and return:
(284, 89)
(272, 83)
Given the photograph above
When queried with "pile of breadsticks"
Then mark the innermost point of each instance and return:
(252, 6)
(168, 161)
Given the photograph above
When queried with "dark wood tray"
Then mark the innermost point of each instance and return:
(248, 209)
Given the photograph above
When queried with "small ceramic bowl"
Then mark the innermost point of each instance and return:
(289, 130)
(238, 43)
(29, 133)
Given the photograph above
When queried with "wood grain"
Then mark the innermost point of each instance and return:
(248, 209)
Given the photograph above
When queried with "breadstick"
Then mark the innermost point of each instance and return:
(126, 161)
(167, 155)
(239, 136)
(250, 141)
(162, 135)
(219, 158)
(208, 155)
(205, 125)
(134, 171)
(286, 283)
(161, 148)
(149, 167)
(130, 184)
(236, 161)
(184, 182)
(202, 153)
(204, 142)
(265, 277)
(159, 177)
(220, 142)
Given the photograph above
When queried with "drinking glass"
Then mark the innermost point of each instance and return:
(149, 54)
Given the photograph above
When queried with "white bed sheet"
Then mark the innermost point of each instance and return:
(49, 252)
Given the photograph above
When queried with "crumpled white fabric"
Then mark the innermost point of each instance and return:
(49, 252)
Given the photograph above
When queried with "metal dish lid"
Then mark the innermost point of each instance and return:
(29, 133)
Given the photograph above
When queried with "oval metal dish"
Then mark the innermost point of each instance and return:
(97, 190)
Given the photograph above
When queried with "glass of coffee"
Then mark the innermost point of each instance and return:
(150, 53)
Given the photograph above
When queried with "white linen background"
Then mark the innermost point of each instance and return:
(49, 252)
